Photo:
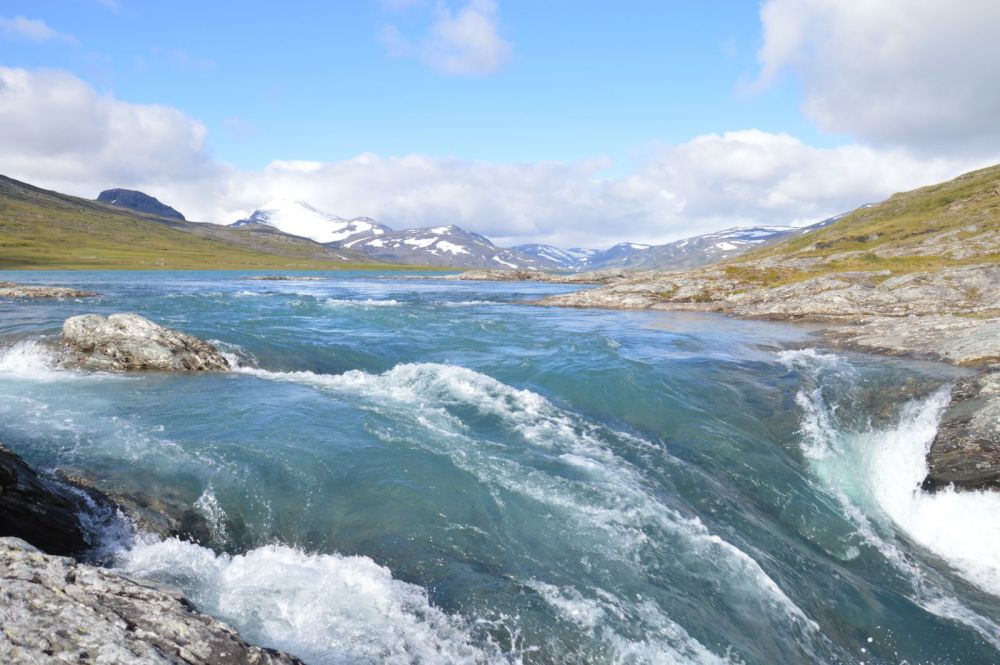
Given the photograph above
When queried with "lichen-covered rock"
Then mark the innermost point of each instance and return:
(12, 290)
(37, 509)
(53, 609)
(130, 342)
(966, 451)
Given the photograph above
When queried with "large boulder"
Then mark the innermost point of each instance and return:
(38, 509)
(131, 342)
(53, 609)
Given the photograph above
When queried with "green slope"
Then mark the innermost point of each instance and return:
(949, 224)
(42, 229)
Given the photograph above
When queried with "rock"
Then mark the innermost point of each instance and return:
(284, 278)
(130, 342)
(53, 609)
(38, 509)
(960, 340)
(500, 276)
(12, 290)
(139, 201)
(966, 450)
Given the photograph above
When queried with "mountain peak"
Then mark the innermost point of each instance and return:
(301, 218)
(139, 201)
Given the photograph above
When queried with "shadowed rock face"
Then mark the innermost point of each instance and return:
(966, 451)
(37, 509)
(124, 342)
(53, 609)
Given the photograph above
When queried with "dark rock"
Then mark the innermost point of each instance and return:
(124, 342)
(133, 200)
(39, 510)
(966, 451)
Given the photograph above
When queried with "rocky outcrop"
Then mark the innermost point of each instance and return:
(500, 276)
(960, 340)
(12, 290)
(123, 342)
(138, 201)
(966, 450)
(53, 609)
(38, 509)
(848, 296)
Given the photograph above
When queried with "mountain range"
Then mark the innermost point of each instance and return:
(454, 247)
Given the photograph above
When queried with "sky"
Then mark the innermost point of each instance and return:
(571, 122)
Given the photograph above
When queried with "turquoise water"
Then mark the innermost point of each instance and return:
(409, 469)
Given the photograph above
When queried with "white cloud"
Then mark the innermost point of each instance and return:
(58, 132)
(466, 42)
(710, 182)
(915, 73)
(33, 30)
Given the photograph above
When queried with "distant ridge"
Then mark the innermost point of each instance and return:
(138, 201)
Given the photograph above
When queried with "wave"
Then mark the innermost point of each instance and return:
(367, 303)
(324, 608)
(31, 360)
(876, 474)
(606, 501)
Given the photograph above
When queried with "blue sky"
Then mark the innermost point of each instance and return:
(551, 120)
(313, 82)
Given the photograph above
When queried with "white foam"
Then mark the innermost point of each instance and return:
(369, 302)
(664, 642)
(324, 608)
(876, 475)
(30, 360)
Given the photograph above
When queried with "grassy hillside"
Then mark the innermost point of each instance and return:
(41, 229)
(949, 224)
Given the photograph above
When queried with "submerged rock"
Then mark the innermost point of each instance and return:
(131, 342)
(37, 509)
(12, 290)
(53, 609)
(966, 451)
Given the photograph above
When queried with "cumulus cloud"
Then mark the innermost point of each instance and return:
(32, 30)
(58, 132)
(914, 73)
(466, 42)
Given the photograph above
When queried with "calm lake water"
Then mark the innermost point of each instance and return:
(407, 469)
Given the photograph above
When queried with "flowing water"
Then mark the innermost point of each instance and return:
(409, 469)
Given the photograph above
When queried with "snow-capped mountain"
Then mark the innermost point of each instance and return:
(704, 249)
(575, 258)
(449, 246)
(301, 219)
